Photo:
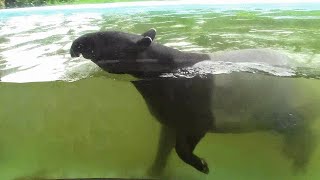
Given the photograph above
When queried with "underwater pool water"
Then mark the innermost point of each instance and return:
(66, 118)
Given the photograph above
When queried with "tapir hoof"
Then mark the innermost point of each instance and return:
(204, 167)
(154, 171)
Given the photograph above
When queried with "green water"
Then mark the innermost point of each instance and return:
(99, 125)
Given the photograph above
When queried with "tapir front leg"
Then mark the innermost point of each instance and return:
(185, 144)
(166, 144)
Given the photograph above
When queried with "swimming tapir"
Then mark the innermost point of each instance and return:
(190, 107)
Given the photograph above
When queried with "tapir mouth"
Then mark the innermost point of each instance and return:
(74, 54)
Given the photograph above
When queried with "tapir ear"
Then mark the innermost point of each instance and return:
(151, 33)
(144, 42)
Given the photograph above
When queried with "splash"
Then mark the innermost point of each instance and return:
(220, 67)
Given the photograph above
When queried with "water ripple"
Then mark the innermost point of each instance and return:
(35, 47)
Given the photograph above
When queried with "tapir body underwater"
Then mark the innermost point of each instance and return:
(188, 108)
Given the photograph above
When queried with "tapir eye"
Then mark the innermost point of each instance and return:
(80, 46)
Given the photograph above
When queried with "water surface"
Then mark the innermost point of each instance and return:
(42, 36)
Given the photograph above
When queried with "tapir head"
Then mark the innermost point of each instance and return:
(111, 45)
